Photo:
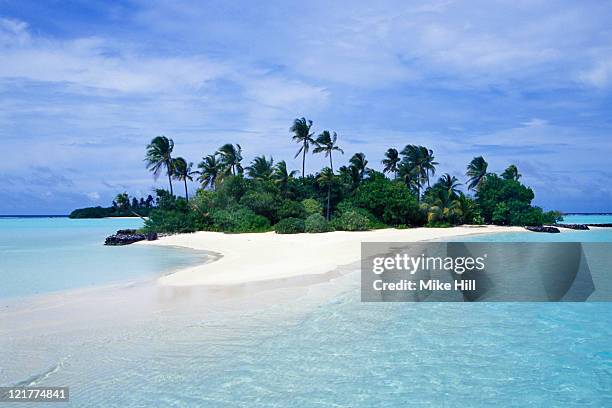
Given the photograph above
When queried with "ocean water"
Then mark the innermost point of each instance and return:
(587, 219)
(593, 235)
(313, 349)
(40, 255)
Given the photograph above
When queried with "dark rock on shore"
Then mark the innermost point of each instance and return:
(551, 230)
(606, 225)
(582, 227)
(126, 237)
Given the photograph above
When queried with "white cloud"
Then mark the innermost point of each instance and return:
(535, 122)
(600, 75)
(96, 63)
(93, 196)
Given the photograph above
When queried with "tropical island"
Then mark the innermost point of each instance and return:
(265, 196)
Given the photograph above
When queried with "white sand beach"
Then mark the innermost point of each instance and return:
(246, 258)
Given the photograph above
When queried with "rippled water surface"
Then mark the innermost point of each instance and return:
(308, 349)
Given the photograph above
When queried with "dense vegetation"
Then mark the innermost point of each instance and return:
(122, 207)
(266, 196)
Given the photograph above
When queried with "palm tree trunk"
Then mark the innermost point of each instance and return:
(328, 201)
(331, 164)
(186, 193)
(170, 181)
(304, 162)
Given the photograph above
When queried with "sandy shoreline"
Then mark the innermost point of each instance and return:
(248, 258)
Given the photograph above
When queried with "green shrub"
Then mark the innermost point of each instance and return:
(503, 202)
(262, 203)
(171, 221)
(552, 217)
(317, 223)
(351, 220)
(239, 220)
(232, 188)
(289, 226)
(292, 209)
(312, 206)
(391, 202)
(347, 206)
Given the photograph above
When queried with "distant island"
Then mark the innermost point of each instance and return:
(122, 206)
(266, 196)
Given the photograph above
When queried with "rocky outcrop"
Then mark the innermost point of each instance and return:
(582, 227)
(127, 236)
(606, 225)
(551, 230)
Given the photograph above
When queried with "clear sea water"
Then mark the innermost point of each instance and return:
(300, 352)
(40, 255)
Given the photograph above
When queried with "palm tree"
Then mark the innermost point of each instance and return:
(327, 143)
(420, 161)
(261, 168)
(450, 183)
(182, 172)
(282, 176)
(391, 162)
(511, 173)
(410, 176)
(359, 162)
(326, 179)
(442, 206)
(122, 200)
(159, 155)
(230, 157)
(477, 172)
(211, 171)
(301, 134)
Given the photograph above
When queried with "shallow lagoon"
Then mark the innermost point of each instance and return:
(41, 255)
(321, 346)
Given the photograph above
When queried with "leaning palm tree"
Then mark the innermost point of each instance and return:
(230, 157)
(511, 173)
(282, 177)
(211, 171)
(391, 162)
(326, 179)
(450, 184)
(261, 168)
(359, 162)
(159, 155)
(182, 172)
(477, 172)
(301, 134)
(327, 143)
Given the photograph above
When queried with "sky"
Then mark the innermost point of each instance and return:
(85, 85)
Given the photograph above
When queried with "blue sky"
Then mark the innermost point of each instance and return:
(84, 85)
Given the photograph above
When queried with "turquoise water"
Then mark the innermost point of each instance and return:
(41, 255)
(587, 219)
(342, 353)
(593, 235)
